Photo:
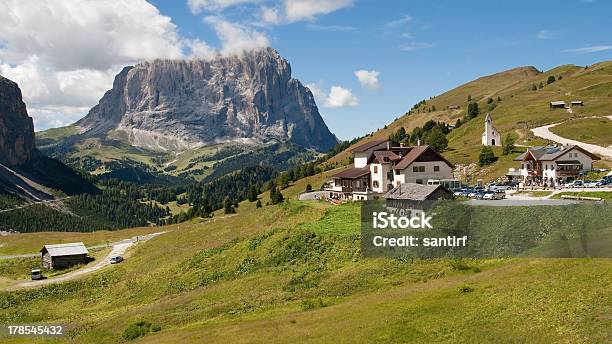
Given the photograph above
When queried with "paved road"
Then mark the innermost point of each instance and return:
(315, 195)
(545, 132)
(520, 202)
(119, 249)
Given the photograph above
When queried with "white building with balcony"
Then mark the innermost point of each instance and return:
(380, 166)
(553, 165)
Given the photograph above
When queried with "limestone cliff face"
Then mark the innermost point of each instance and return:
(183, 104)
(16, 128)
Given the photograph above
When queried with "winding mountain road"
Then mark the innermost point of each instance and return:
(118, 249)
(544, 132)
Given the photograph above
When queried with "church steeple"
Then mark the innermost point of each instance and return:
(491, 136)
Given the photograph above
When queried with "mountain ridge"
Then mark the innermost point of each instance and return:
(176, 105)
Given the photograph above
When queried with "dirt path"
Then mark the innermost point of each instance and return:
(544, 132)
(118, 249)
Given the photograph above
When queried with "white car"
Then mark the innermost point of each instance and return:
(494, 195)
(590, 184)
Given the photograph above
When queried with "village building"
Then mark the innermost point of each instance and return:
(411, 196)
(490, 136)
(559, 104)
(63, 255)
(381, 165)
(577, 103)
(553, 165)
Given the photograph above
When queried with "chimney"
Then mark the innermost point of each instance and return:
(389, 145)
(401, 144)
(418, 142)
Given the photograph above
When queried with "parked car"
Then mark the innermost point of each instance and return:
(498, 187)
(466, 192)
(478, 194)
(116, 260)
(574, 184)
(37, 275)
(590, 183)
(601, 183)
(491, 195)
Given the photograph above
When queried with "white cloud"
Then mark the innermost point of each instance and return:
(236, 38)
(338, 96)
(545, 34)
(341, 97)
(298, 10)
(587, 50)
(271, 15)
(368, 79)
(413, 46)
(317, 92)
(403, 20)
(331, 28)
(197, 6)
(65, 54)
(200, 49)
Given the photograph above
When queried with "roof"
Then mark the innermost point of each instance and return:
(381, 155)
(415, 153)
(577, 102)
(352, 173)
(549, 153)
(368, 145)
(414, 192)
(557, 102)
(65, 249)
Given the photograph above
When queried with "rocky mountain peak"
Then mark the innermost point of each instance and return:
(183, 104)
(16, 128)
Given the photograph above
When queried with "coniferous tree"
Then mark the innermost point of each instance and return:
(486, 156)
(508, 144)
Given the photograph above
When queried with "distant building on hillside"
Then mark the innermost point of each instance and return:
(557, 104)
(491, 136)
(63, 255)
(577, 103)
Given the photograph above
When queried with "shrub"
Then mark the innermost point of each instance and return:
(139, 329)
(307, 305)
(550, 80)
(308, 188)
(486, 156)
(465, 289)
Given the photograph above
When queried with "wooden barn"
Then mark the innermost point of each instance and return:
(557, 105)
(63, 255)
(415, 196)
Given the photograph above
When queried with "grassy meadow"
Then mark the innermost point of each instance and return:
(293, 273)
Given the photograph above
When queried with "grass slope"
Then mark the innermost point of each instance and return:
(519, 110)
(293, 273)
(597, 131)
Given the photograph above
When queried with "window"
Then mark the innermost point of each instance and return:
(375, 169)
(419, 181)
(436, 168)
(375, 183)
(418, 168)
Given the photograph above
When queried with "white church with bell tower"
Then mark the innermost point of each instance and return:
(491, 136)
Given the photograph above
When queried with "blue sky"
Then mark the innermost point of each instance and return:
(410, 50)
(422, 48)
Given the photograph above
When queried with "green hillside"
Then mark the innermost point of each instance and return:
(514, 106)
(114, 153)
(293, 273)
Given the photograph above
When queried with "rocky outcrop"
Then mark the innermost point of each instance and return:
(184, 104)
(16, 128)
